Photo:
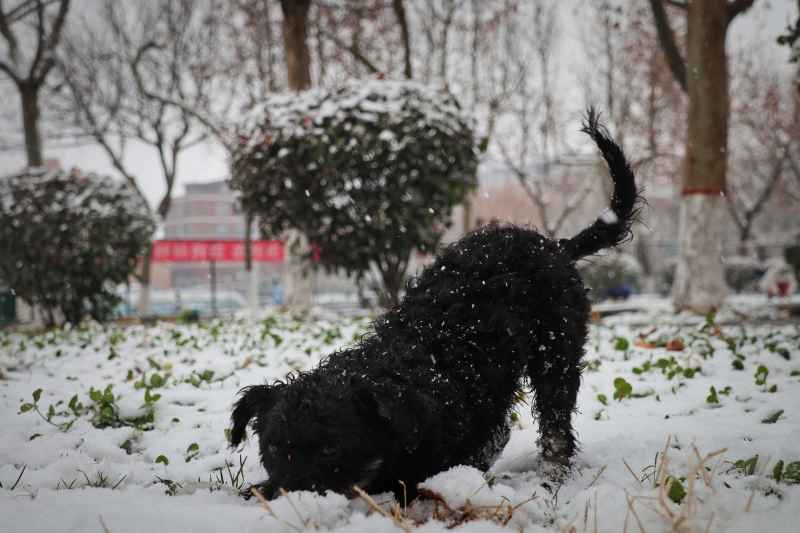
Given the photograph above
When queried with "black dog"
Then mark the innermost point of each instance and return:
(434, 385)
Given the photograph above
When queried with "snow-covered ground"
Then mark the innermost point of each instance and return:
(150, 453)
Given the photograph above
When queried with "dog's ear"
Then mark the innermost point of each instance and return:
(371, 404)
(406, 416)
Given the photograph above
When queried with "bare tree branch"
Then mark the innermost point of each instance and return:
(353, 49)
(400, 13)
(666, 36)
(737, 7)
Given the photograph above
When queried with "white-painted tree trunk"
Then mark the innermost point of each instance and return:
(699, 284)
(297, 279)
(252, 288)
(143, 305)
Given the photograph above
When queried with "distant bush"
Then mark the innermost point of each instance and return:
(67, 240)
(367, 173)
(742, 273)
(614, 276)
(792, 255)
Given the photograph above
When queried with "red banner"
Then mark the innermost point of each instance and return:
(211, 250)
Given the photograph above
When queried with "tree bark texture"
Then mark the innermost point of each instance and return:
(295, 42)
(298, 67)
(700, 279)
(29, 96)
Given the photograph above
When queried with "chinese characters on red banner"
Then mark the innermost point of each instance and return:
(167, 251)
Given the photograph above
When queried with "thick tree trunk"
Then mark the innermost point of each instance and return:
(298, 68)
(402, 21)
(295, 43)
(699, 279)
(29, 95)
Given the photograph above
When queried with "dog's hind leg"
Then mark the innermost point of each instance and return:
(555, 375)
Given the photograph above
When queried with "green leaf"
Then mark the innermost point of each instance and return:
(777, 471)
(712, 396)
(36, 395)
(156, 380)
(676, 492)
(621, 344)
(193, 447)
(791, 474)
(761, 375)
(771, 419)
(25, 407)
(162, 459)
(747, 466)
(602, 399)
(737, 364)
(622, 389)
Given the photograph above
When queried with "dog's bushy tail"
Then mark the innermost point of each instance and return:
(251, 400)
(614, 226)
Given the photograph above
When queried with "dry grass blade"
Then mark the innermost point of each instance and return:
(586, 516)
(265, 504)
(285, 494)
(103, 524)
(594, 511)
(405, 494)
(19, 477)
(599, 473)
(396, 518)
(639, 481)
(662, 484)
(634, 513)
(663, 456)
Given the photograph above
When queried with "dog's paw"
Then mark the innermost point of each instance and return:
(265, 489)
(555, 472)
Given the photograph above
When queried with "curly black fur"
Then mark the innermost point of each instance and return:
(434, 385)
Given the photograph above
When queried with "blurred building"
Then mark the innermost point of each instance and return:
(210, 210)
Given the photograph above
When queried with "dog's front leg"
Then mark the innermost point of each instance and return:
(267, 489)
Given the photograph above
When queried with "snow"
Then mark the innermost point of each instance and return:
(387, 101)
(203, 366)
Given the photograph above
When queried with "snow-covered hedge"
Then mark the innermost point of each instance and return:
(613, 275)
(66, 240)
(367, 173)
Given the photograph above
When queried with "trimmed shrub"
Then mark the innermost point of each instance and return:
(611, 276)
(68, 240)
(367, 173)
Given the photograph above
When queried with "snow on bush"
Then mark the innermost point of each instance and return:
(368, 172)
(67, 240)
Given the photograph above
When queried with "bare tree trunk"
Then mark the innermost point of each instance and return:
(298, 67)
(400, 13)
(29, 96)
(700, 279)
(295, 42)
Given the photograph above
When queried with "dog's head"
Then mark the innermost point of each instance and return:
(322, 438)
